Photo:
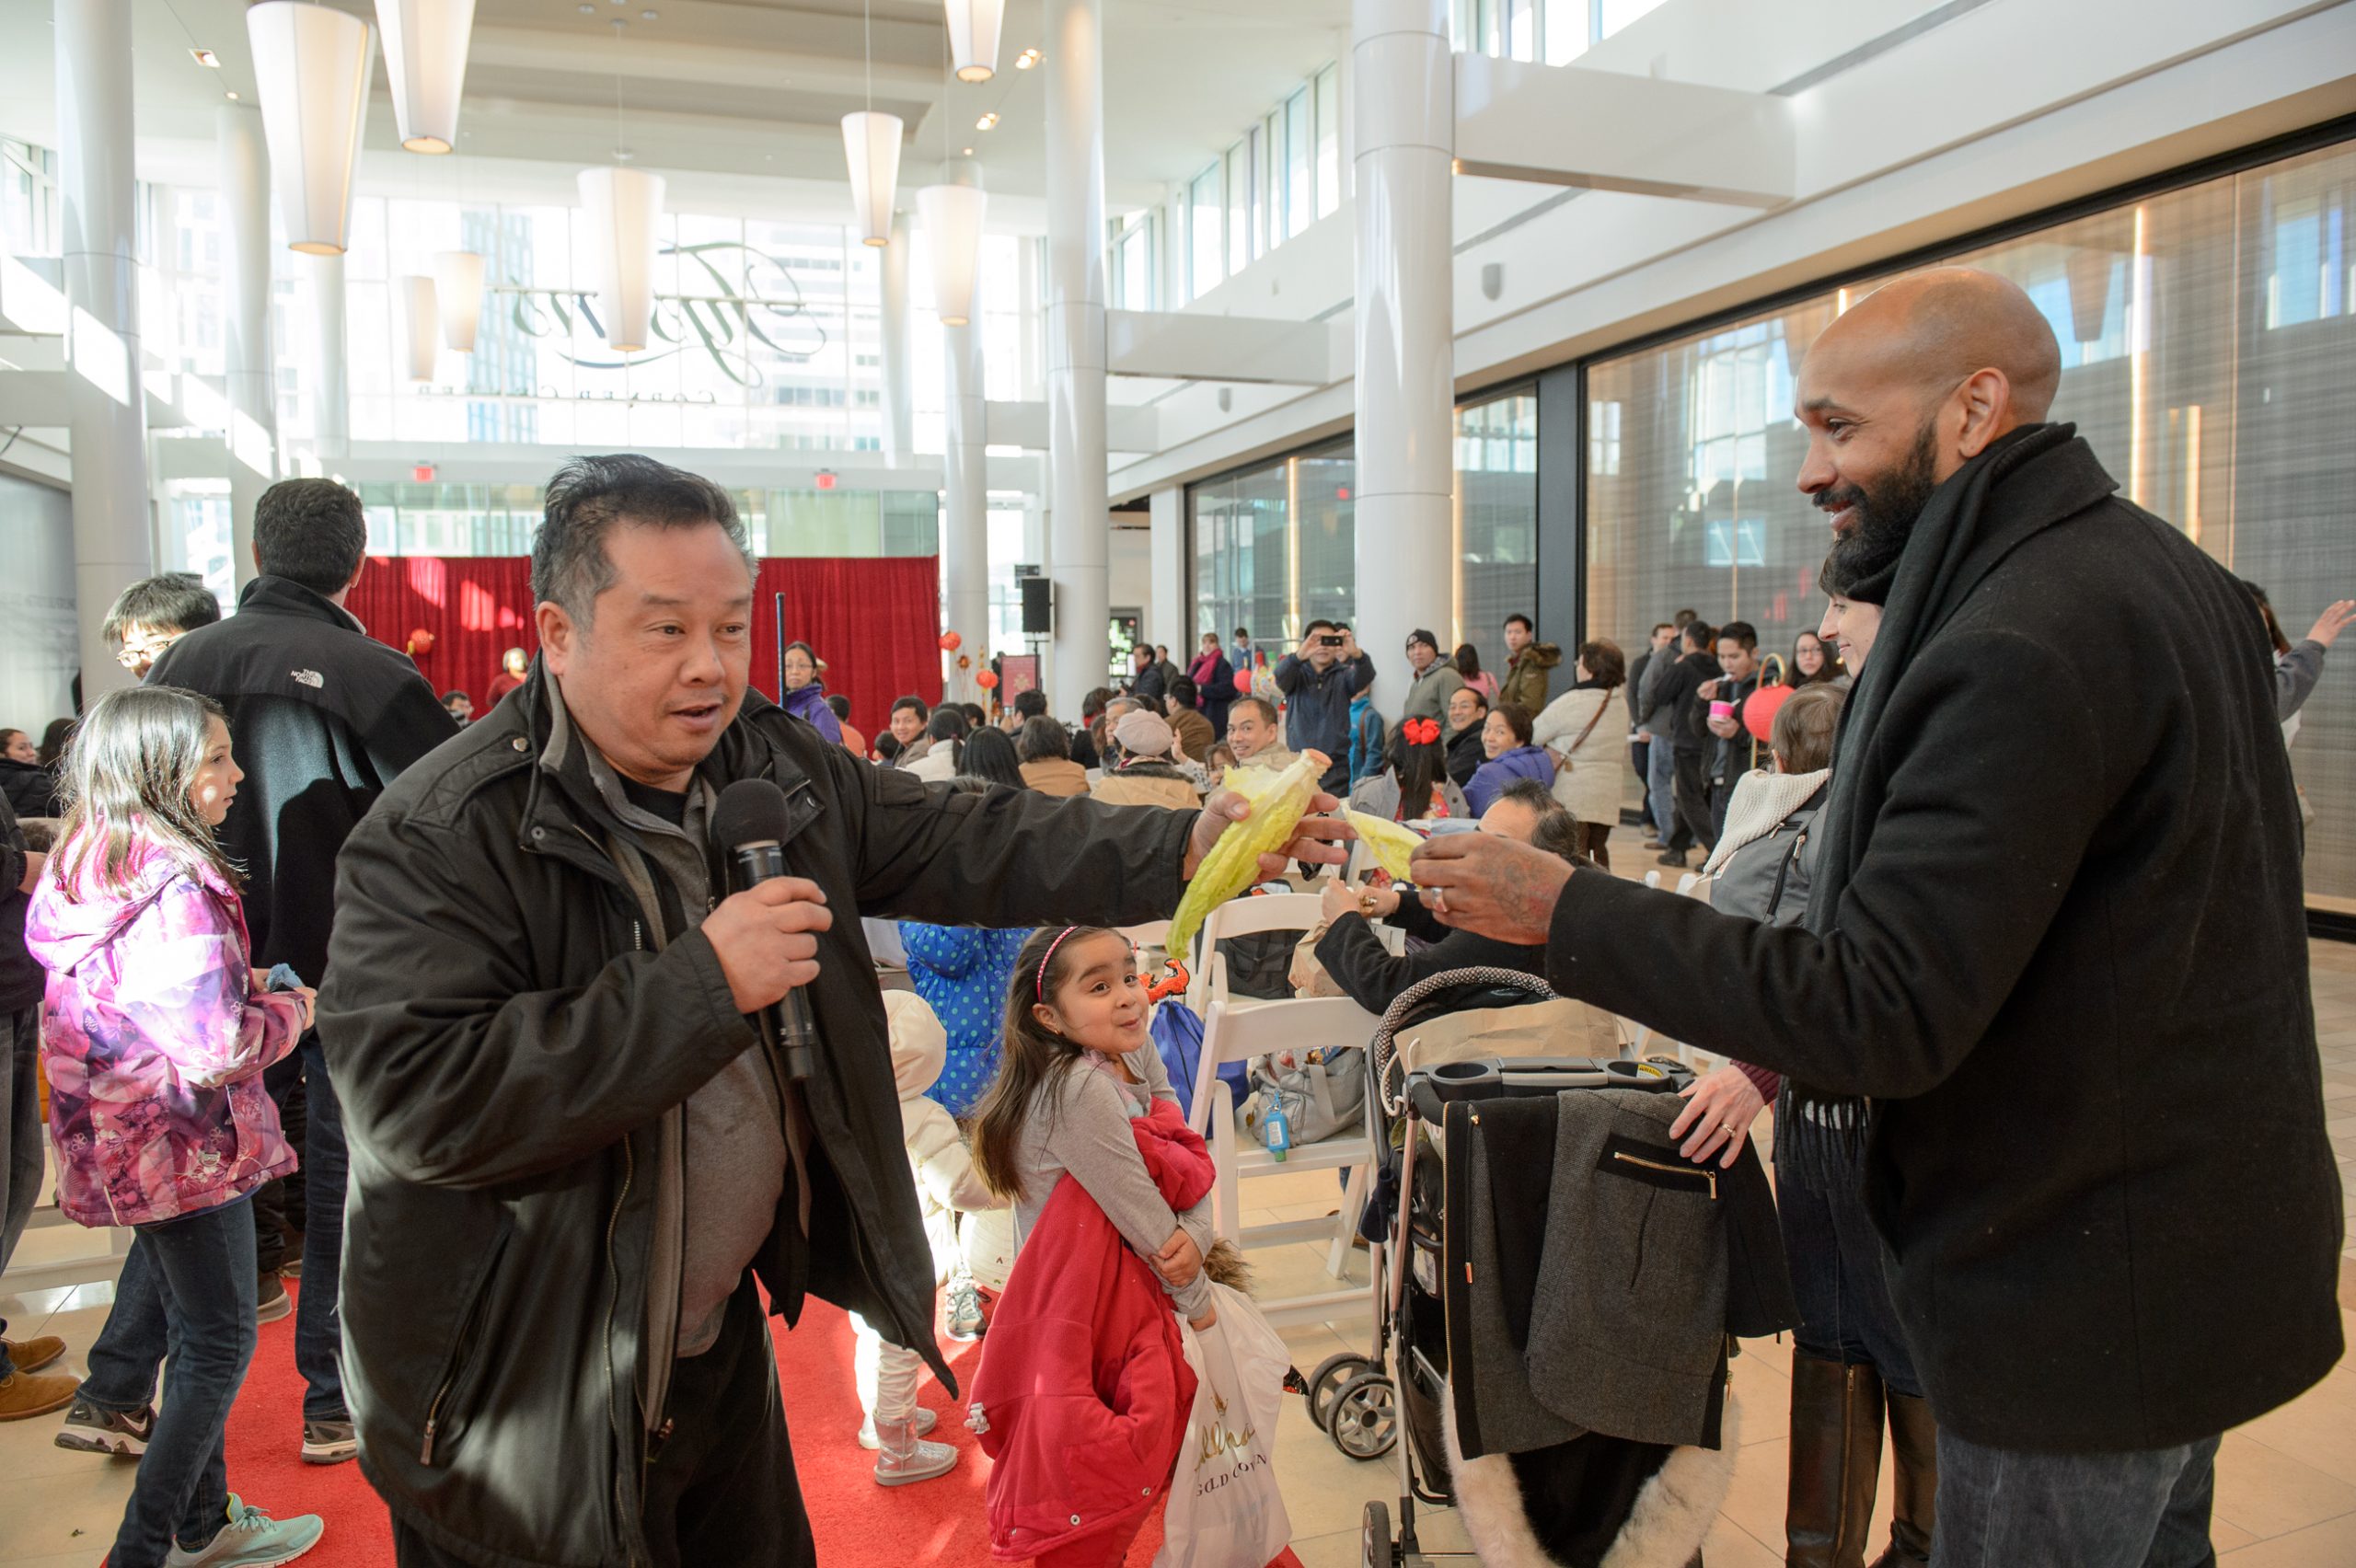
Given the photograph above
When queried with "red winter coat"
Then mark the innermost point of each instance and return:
(1084, 1380)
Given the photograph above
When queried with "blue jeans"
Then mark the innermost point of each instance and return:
(2006, 1508)
(1660, 787)
(124, 1356)
(203, 1267)
(1837, 1281)
(327, 1168)
(19, 1138)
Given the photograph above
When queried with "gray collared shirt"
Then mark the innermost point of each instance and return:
(736, 1147)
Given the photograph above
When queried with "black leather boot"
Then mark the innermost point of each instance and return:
(1835, 1461)
(1914, 1488)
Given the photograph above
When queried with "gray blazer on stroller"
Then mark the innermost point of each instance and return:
(1600, 1299)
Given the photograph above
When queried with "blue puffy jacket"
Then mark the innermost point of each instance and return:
(964, 972)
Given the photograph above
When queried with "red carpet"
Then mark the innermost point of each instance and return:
(856, 1523)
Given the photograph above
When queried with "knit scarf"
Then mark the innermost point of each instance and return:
(1820, 1135)
(1761, 803)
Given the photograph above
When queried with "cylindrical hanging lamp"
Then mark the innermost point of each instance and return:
(420, 325)
(625, 208)
(425, 54)
(871, 146)
(312, 66)
(952, 216)
(457, 292)
(973, 36)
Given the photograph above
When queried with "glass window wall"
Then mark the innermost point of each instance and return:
(1276, 545)
(1204, 253)
(2205, 335)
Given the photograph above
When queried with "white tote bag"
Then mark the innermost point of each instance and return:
(1225, 1510)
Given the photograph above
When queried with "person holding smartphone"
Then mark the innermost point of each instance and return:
(1317, 683)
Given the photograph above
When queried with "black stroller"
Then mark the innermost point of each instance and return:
(1645, 1504)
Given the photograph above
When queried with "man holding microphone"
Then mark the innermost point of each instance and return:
(572, 1153)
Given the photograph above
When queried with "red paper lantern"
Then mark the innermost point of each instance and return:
(952, 641)
(1759, 712)
(986, 680)
(419, 641)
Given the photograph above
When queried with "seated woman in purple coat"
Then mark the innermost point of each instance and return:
(805, 690)
(1506, 738)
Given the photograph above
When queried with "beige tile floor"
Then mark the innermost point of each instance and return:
(2286, 1484)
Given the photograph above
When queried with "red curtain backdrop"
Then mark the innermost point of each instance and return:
(476, 607)
(876, 621)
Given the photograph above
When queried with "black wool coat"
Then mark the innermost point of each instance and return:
(2070, 965)
(322, 716)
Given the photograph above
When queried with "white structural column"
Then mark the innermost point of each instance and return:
(330, 378)
(966, 531)
(1075, 317)
(250, 363)
(1403, 114)
(113, 543)
(899, 422)
(1168, 617)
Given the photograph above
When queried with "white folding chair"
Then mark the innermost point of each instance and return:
(1232, 1034)
(1244, 916)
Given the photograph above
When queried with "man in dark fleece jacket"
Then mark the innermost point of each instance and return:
(1319, 682)
(323, 718)
(2074, 1016)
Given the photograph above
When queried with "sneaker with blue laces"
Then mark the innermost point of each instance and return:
(250, 1539)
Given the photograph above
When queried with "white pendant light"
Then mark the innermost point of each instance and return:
(425, 54)
(952, 216)
(625, 208)
(421, 325)
(458, 289)
(312, 64)
(871, 149)
(973, 36)
(871, 146)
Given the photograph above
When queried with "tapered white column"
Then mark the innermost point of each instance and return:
(1167, 620)
(899, 421)
(330, 377)
(1403, 116)
(105, 400)
(966, 535)
(250, 365)
(1074, 323)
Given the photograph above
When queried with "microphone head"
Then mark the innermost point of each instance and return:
(751, 811)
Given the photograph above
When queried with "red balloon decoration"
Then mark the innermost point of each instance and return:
(1759, 711)
(952, 641)
(986, 680)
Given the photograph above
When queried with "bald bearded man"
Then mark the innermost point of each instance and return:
(2051, 991)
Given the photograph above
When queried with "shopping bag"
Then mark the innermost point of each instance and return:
(1224, 1509)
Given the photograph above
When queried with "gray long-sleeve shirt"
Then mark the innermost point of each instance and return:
(1080, 1127)
(2296, 674)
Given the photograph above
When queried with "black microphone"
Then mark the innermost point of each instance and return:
(751, 820)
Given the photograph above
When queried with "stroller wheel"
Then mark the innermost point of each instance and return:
(1376, 1549)
(1365, 1419)
(1327, 1380)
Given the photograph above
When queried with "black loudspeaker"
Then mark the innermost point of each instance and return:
(1035, 602)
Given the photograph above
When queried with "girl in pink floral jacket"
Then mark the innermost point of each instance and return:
(154, 1032)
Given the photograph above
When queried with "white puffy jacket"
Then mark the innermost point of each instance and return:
(947, 1182)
